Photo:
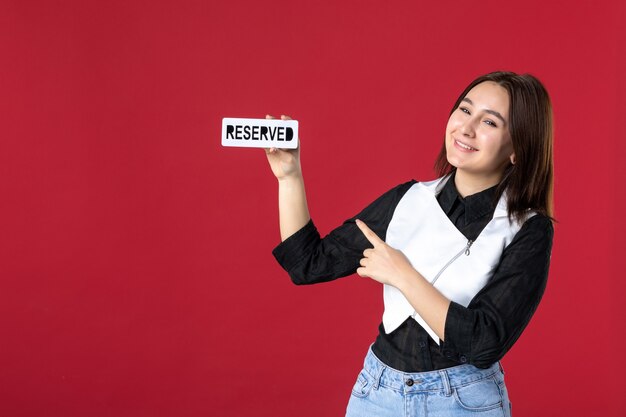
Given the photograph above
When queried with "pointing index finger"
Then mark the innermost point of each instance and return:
(369, 234)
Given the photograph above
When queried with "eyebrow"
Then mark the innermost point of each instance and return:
(495, 113)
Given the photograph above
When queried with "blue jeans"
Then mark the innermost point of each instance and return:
(381, 391)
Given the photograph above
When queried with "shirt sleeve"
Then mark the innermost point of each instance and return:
(310, 259)
(482, 332)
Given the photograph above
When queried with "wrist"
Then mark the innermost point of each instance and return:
(291, 180)
(407, 279)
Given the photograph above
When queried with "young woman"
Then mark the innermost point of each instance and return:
(463, 259)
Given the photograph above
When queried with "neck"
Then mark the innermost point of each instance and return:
(467, 184)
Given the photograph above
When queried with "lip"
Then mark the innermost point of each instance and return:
(463, 146)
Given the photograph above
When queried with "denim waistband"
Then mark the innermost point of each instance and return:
(440, 380)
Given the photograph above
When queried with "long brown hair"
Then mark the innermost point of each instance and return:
(529, 182)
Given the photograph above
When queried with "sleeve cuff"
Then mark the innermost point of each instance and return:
(292, 250)
(457, 344)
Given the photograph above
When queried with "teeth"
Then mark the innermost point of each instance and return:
(469, 148)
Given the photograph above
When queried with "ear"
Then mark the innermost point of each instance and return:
(513, 158)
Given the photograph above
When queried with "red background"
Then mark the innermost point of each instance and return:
(137, 278)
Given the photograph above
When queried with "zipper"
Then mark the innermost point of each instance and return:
(465, 250)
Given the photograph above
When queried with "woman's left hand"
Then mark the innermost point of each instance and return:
(383, 263)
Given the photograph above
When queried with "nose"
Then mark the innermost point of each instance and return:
(467, 128)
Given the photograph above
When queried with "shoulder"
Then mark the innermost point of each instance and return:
(396, 194)
(405, 186)
(435, 185)
(538, 224)
(378, 213)
(534, 236)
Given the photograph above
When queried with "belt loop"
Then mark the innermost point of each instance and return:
(446, 383)
(379, 375)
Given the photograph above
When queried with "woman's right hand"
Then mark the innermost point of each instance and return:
(285, 163)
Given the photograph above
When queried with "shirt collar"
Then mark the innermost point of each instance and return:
(476, 205)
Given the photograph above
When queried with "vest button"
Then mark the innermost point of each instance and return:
(409, 382)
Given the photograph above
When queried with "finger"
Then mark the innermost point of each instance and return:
(369, 234)
(361, 272)
(285, 117)
(363, 262)
(269, 116)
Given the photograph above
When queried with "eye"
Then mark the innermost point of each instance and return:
(491, 123)
(465, 110)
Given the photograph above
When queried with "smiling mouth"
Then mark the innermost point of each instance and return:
(464, 146)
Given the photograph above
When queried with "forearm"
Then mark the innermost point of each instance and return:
(292, 205)
(427, 301)
(390, 266)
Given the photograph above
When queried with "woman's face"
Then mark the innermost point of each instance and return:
(478, 142)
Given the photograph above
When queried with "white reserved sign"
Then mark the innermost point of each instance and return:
(259, 133)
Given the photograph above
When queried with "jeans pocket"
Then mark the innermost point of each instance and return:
(481, 395)
(363, 385)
